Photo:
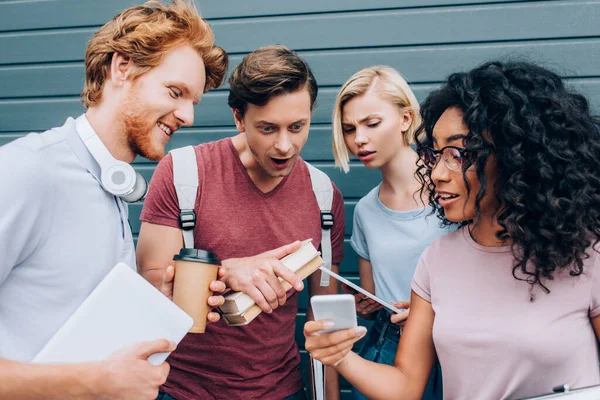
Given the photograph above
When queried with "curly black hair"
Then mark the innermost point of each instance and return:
(547, 149)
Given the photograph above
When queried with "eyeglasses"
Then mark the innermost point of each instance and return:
(454, 157)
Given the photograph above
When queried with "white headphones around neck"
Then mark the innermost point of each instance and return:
(117, 177)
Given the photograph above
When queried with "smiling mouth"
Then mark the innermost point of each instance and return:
(446, 196)
(164, 128)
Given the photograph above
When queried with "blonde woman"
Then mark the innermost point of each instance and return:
(375, 116)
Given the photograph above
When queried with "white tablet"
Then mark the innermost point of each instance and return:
(123, 309)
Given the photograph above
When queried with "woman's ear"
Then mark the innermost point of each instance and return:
(407, 119)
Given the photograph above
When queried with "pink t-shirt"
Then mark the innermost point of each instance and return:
(235, 219)
(491, 340)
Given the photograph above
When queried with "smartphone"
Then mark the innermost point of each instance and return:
(339, 308)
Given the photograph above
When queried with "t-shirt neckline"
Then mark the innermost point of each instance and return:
(477, 246)
(400, 215)
(255, 188)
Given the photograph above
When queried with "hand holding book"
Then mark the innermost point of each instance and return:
(240, 308)
(258, 276)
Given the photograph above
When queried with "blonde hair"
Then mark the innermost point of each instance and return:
(393, 88)
(145, 34)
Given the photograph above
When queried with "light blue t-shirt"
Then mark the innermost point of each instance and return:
(392, 241)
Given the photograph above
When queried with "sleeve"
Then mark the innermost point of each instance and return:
(339, 226)
(358, 240)
(595, 288)
(161, 206)
(26, 203)
(421, 283)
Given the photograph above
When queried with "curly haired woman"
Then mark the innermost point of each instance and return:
(509, 303)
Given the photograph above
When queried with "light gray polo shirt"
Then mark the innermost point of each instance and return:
(60, 234)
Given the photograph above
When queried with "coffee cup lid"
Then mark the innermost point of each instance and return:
(197, 255)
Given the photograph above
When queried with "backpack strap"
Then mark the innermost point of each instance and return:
(185, 179)
(323, 190)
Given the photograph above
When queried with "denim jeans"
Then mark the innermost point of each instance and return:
(298, 396)
(380, 347)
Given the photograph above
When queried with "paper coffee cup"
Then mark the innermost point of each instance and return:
(194, 271)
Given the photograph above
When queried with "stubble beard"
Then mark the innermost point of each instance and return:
(138, 126)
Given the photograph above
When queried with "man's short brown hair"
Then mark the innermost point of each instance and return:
(145, 34)
(266, 73)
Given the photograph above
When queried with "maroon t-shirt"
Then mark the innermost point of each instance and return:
(235, 219)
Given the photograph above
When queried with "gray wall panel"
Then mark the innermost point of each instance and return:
(38, 14)
(351, 30)
(418, 26)
(572, 58)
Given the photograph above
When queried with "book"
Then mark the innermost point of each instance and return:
(246, 316)
(238, 302)
(361, 290)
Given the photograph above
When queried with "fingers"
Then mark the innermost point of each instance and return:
(274, 284)
(216, 301)
(217, 286)
(401, 304)
(143, 350)
(259, 299)
(222, 272)
(163, 372)
(167, 281)
(347, 289)
(282, 251)
(400, 318)
(329, 348)
(287, 275)
(213, 317)
(368, 306)
(169, 274)
(312, 327)
(339, 352)
(270, 294)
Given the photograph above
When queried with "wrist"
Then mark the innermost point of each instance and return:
(95, 378)
(342, 364)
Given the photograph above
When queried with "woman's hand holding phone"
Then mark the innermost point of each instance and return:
(330, 348)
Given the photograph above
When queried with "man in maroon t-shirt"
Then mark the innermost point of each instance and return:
(254, 194)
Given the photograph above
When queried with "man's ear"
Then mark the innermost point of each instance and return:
(239, 121)
(120, 66)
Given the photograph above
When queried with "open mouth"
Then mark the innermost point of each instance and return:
(365, 155)
(164, 128)
(445, 199)
(281, 163)
(447, 196)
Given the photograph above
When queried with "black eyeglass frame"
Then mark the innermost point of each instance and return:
(465, 154)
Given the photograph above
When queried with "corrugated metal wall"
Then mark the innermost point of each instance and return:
(42, 44)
